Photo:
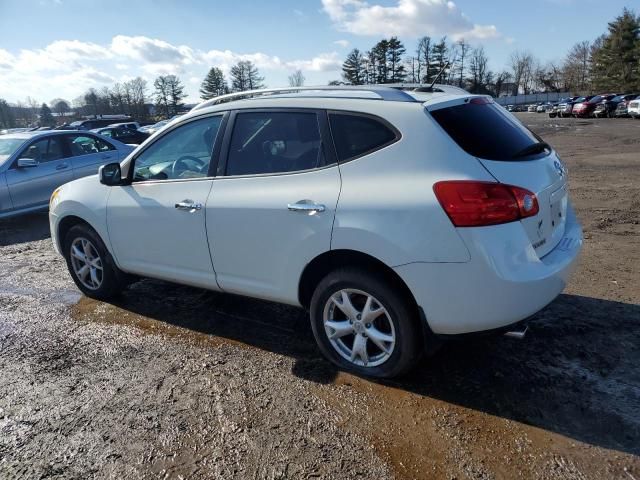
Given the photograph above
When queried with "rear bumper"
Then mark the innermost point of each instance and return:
(504, 282)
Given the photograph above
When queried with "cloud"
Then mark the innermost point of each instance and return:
(67, 68)
(412, 18)
(342, 43)
(151, 50)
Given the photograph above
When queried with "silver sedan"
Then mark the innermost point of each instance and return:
(34, 164)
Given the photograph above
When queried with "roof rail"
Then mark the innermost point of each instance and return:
(426, 87)
(348, 91)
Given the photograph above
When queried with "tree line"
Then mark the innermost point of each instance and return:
(610, 63)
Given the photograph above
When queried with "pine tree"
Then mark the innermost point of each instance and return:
(380, 52)
(245, 76)
(46, 119)
(395, 68)
(169, 94)
(7, 118)
(353, 68)
(437, 58)
(214, 84)
(616, 64)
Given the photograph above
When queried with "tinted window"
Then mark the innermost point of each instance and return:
(87, 145)
(485, 130)
(45, 150)
(274, 142)
(356, 135)
(183, 153)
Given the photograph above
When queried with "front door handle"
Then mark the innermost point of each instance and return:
(188, 206)
(62, 166)
(306, 206)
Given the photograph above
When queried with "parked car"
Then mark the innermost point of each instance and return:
(622, 107)
(129, 125)
(634, 108)
(510, 108)
(90, 124)
(607, 106)
(585, 106)
(565, 107)
(33, 164)
(151, 129)
(470, 228)
(123, 134)
(532, 108)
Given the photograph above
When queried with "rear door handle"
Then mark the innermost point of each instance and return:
(306, 206)
(188, 206)
(62, 166)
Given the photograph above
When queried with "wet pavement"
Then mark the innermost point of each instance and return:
(176, 382)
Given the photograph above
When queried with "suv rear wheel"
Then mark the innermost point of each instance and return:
(90, 264)
(363, 324)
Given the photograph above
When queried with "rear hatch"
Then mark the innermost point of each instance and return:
(513, 155)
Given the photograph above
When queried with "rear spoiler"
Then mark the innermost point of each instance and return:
(439, 103)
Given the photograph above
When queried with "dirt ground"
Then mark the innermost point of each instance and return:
(175, 382)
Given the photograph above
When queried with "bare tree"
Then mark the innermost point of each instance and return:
(479, 74)
(296, 79)
(522, 66)
(422, 59)
(576, 67)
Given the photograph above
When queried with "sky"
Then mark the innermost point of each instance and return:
(60, 48)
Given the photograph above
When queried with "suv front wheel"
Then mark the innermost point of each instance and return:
(363, 324)
(90, 264)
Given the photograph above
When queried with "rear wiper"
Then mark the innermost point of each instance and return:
(531, 149)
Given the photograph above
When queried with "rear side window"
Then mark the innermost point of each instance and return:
(357, 135)
(274, 142)
(485, 130)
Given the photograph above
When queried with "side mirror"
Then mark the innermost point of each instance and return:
(110, 174)
(27, 163)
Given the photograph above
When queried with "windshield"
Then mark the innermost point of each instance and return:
(8, 146)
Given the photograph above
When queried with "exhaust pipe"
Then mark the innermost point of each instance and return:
(518, 335)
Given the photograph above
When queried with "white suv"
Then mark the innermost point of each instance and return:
(393, 217)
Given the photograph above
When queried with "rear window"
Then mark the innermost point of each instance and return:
(486, 131)
(357, 135)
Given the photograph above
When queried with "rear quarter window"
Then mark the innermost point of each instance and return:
(355, 135)
(485, 130)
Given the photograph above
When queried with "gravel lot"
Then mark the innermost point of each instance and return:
(175, 382)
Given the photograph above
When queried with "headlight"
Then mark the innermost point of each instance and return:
(54, 197)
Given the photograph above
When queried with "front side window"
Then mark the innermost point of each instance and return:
(87, 145)
(45, 150)
(357, 135)
(183, 153)
(274, 142)
(107, 133)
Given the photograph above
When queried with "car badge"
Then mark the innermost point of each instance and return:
(559, 168)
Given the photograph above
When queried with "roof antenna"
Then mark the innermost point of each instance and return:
(430, 87)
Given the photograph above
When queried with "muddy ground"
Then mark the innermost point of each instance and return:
(175, 382)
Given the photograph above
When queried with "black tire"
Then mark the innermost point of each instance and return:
(113, 280)
(409, 343)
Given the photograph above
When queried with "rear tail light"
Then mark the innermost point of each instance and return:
(474, 204)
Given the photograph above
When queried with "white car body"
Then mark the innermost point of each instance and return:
(633, 108)
(382, 205)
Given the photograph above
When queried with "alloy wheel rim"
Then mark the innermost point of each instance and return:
(86, 263)
(359, 328)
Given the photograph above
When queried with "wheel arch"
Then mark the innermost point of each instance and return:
(67, 223)
(324, 263)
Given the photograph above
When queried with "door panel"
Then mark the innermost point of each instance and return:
(33, 186)
(259, 246)
(151, 237)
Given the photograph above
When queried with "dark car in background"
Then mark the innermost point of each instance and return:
(622, 107)
(123, 134)
(607, 106)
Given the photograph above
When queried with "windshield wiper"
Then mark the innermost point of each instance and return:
(531, 149)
